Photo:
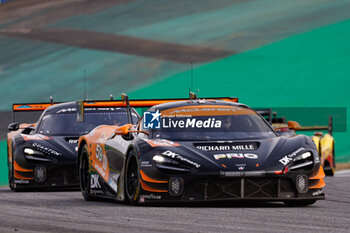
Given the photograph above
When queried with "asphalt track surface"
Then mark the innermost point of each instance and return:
(68, 212)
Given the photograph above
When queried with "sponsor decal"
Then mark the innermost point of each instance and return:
(191, 123)
(95, 184)
(73, 141)
(236, 155)
(179, 157)
(318, 192)
(317, 159)
(146, 164)
(45, 149)
(104, 164)
(301, 183)
(40, 174)
(113, 181)
(92, 132)
(151, 197)
(243, 174)
(288, 158)
(113, 185)
(225, 146)
(99, 153)
(21, 181)
(161, 142)
(103, 136)
(241, 165)
(151, 120)
(86, 109)
(96, 192)
(208, 109)
(66, 110)
(35, 137)
(100, 170)
(24, 106)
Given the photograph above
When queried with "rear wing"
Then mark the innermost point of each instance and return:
(124, 102)
(143, 103)
(31, 107)
(135, 103)
(266, 113)
(328, 127)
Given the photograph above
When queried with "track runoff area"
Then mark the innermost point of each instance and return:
(69, 212)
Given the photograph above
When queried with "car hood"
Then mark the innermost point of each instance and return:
(60, 148)
(239, 155)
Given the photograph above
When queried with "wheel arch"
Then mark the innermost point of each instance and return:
(82, 143)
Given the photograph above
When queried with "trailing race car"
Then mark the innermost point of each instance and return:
(324, 142)
(199, 150)
(43, 154)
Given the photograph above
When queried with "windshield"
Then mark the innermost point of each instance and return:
(240, 124)
(66, 123)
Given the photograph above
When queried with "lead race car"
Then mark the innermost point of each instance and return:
(43, 154)
(199, 150)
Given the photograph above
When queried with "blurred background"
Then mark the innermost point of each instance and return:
(268, 53)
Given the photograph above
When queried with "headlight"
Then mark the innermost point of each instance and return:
(36, 155)
(30, 151)
(303, 156)
(304, 161)
(159, 158)
(164, 160)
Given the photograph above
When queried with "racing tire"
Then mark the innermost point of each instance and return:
(84, 174)
(329, 168)
(132, 179)
(299, 202)
(11, 174)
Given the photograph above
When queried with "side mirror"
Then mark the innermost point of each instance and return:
(123, 130)
(293, 125)
(13, 126)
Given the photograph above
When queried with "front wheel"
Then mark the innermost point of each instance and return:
(84, 174)
(11, 175)
(299, 202)
(132, 179)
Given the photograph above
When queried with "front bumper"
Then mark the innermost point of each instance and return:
(218, 188)
(46, 176)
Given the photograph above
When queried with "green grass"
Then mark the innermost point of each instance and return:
(3, 163)
(307, 70)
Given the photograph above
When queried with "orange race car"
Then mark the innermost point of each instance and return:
(323, 141)
(198, 150)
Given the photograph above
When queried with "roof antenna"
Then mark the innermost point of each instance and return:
(111, 97)
(51, 100)
(85, 93)
(191, 75)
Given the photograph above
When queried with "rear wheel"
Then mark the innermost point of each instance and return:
(329, 168)
(132, 179)
(84, 174)
(299, 202)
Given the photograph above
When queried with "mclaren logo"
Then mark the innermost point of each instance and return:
(191, 110)
(236, 155)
